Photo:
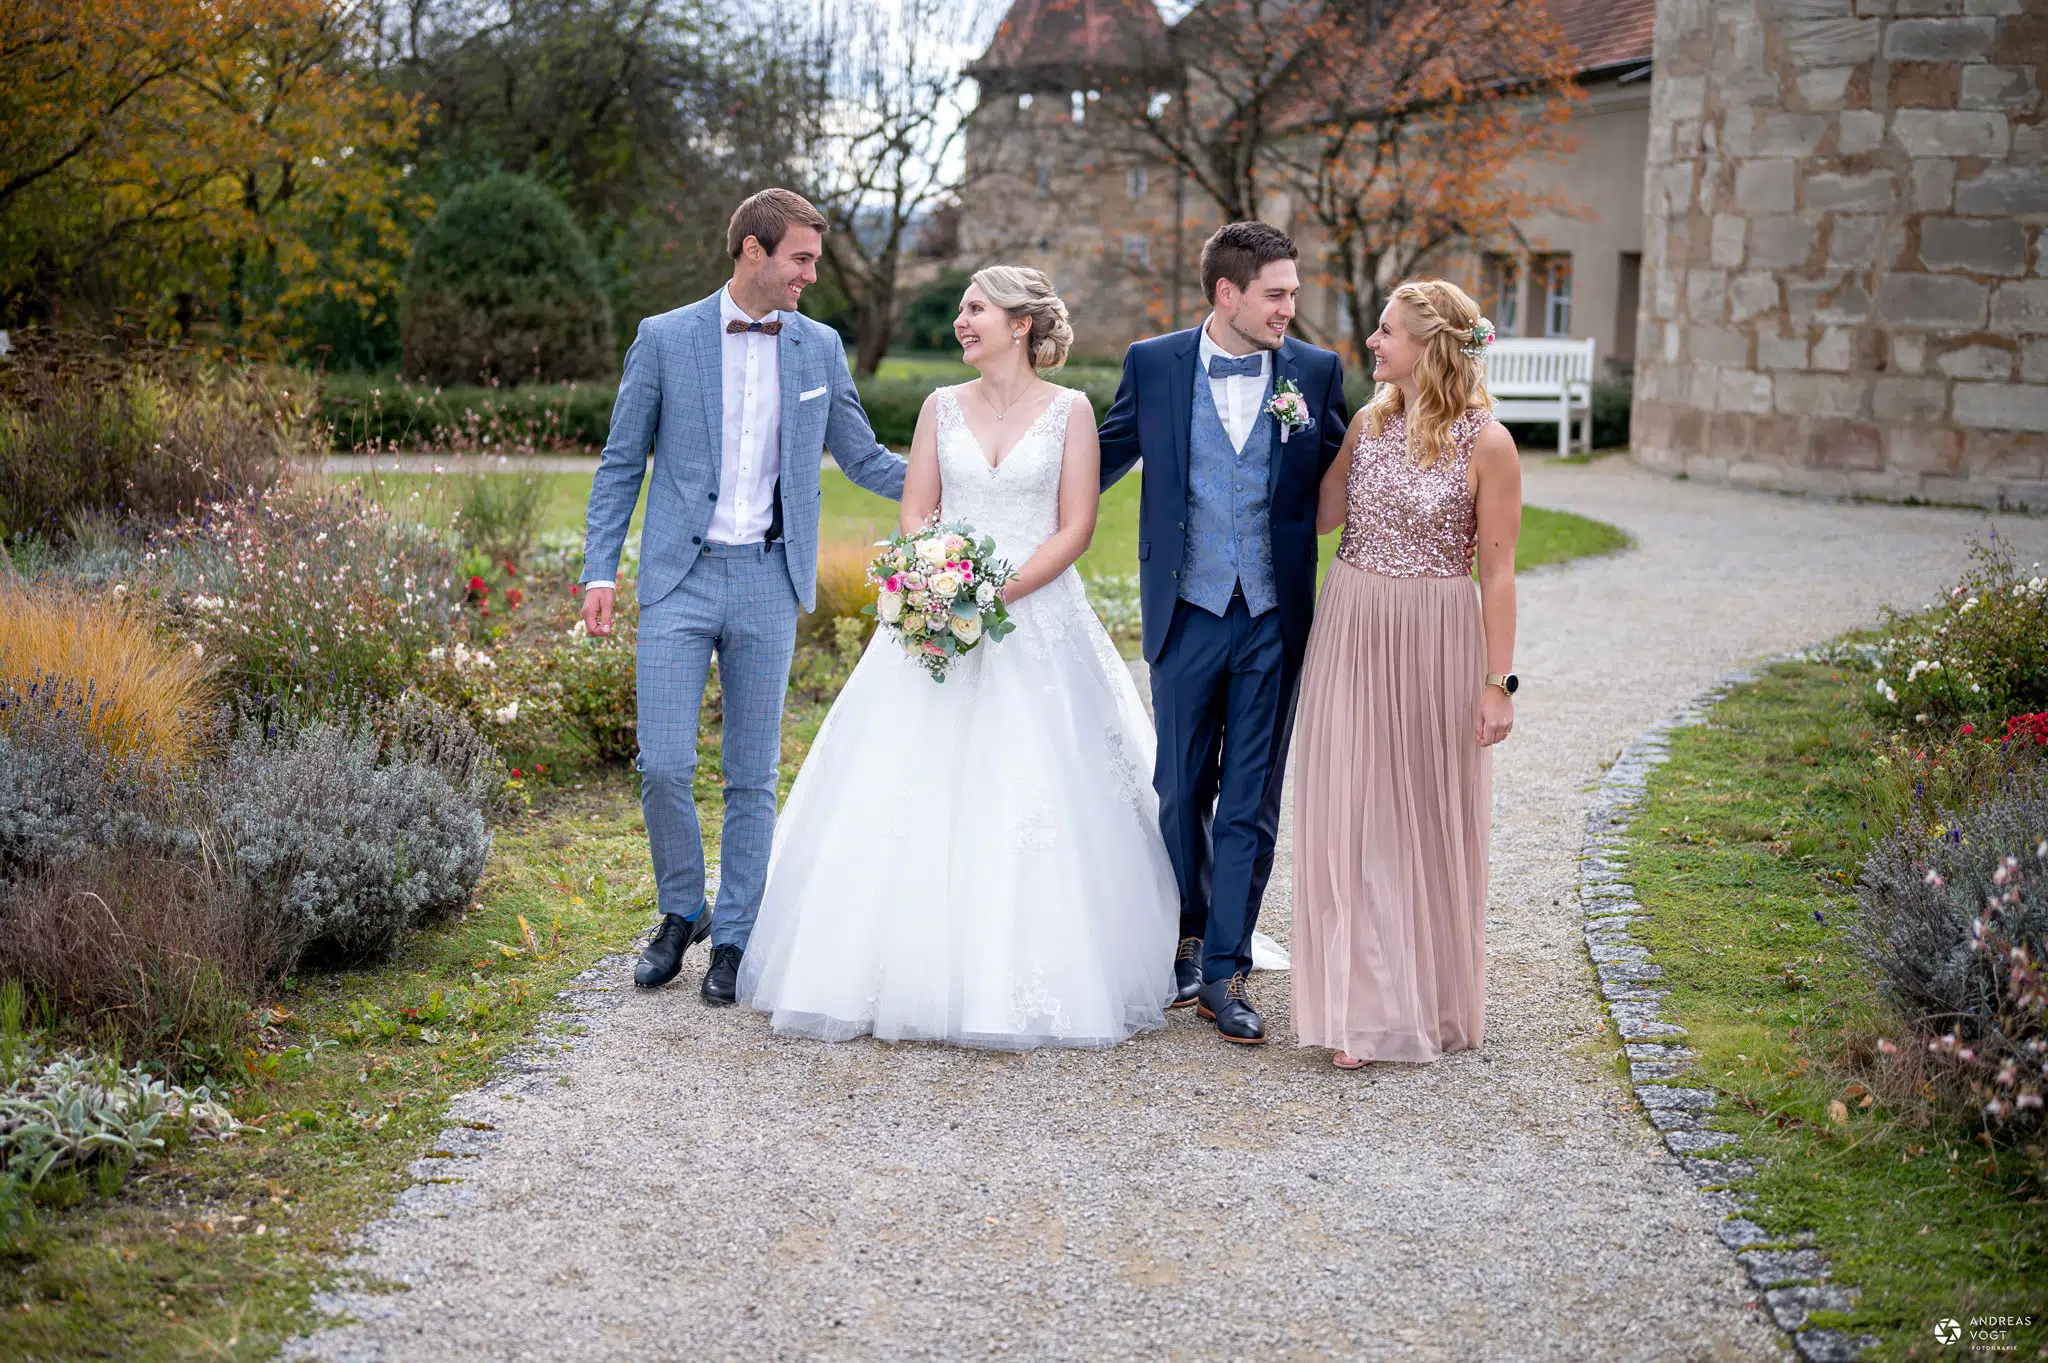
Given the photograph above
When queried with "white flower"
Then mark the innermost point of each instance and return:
(198, 649)
(1884, 689)
(507, 714)
(436, 654)
(889, 607)
(207, 603)
(931, 551)
(966, 628)
(120, 589)
(1968, 606)
(984, 594)
(946, 585)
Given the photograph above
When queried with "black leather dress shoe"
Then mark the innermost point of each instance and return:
(1187, 973)
(663, 957)
(1225, 1003)
(722, 981)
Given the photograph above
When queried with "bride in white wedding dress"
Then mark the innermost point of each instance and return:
(979, 861)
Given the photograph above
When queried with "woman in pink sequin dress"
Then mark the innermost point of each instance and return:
(1406, 687)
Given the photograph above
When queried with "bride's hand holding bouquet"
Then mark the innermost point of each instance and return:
(939, 593)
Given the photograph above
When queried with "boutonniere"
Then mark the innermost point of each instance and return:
(1289, 408)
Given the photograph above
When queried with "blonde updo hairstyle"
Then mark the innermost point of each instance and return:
(1439, 316)
(1026, 295)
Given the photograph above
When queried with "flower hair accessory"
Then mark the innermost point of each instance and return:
(1478, 339)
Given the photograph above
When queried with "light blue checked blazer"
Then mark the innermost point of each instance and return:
(672, 402)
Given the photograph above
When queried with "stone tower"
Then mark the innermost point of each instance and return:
(1845, 283)
(1054, 181)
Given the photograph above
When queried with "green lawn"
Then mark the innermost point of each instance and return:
(1741, 858)
(854, 515)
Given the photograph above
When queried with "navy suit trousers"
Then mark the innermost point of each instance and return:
(1223, 692)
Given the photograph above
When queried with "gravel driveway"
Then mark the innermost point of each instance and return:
(684, 1185)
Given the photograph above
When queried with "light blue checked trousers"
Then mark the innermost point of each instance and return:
(736, 600)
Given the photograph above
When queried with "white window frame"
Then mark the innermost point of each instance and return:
(1504, 284)
(1557, 295)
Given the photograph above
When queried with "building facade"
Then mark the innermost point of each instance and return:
(1054, 183)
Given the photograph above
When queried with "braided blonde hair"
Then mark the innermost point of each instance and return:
(1448, 380)
(1023, 293)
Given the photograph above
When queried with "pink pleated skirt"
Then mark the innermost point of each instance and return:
(1392, 816)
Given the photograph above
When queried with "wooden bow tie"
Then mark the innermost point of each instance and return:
(736, 326)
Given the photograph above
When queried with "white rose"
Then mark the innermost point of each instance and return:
(966, 628)
(889, 606)
(931, 551)
(946, 585)
(984, 594)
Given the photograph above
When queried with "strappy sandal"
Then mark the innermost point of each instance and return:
(1344, 1060)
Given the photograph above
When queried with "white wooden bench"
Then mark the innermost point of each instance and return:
(1543, 380)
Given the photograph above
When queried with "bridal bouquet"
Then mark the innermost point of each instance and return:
(939, 592)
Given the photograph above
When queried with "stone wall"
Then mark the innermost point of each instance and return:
(1845, 274)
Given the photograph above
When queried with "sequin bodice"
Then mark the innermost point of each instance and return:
(1405, 521)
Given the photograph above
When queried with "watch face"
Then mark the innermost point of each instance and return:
(1514, 683)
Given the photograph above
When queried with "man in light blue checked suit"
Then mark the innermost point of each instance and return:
(738, 396)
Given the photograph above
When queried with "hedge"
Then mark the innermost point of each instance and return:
(390, 414)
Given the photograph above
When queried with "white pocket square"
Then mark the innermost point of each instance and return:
(814, 393)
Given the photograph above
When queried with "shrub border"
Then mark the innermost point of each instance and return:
(1795, 1278)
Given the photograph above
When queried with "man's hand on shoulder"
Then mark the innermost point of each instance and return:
(597, 609)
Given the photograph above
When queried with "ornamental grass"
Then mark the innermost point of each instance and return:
(148, 697)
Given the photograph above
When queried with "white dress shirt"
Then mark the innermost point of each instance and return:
(1237, 397)
(751, 454)
(750, 446)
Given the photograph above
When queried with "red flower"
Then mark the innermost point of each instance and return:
(479, 588)
(515, 773)
(2028, 727)
(513, 596)
(1969, 728)
(510, 571)
(575, 588)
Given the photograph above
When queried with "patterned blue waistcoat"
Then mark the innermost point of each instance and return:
(1230, 540)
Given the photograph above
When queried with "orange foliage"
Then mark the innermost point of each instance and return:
(231, 138)
(1392, 124)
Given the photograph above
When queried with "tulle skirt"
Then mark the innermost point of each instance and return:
(976, 861)
(1392, 815)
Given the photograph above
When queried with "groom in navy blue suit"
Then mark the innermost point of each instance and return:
(1236, 424)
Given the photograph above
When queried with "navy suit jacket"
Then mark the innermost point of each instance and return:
(1152, 419)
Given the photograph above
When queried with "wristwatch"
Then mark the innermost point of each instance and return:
(1508, 682)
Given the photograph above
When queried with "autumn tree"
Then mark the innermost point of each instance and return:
(213, 156)
(1393, 123)
(1411, 145)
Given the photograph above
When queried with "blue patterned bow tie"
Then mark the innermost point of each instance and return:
(1249, 367)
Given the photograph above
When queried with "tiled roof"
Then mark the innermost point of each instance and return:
(1093, 37)
(1607, 32)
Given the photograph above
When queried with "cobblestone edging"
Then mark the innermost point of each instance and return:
(1794, 1277)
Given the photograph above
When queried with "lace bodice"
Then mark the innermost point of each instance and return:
(1401, 520)
(1017, 501)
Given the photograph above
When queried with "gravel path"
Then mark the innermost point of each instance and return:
(682, 1184)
